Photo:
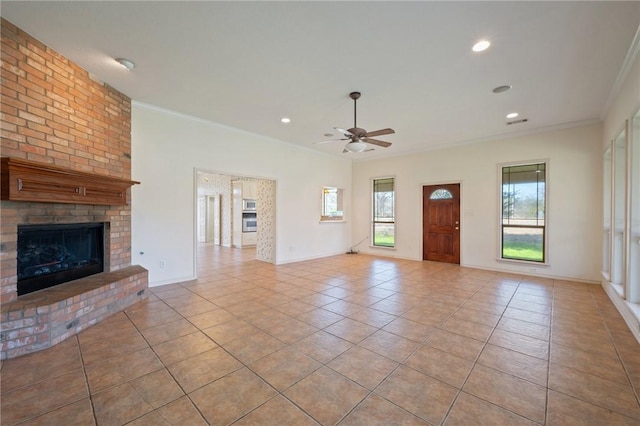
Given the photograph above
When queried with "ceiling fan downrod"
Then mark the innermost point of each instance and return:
(355, 96)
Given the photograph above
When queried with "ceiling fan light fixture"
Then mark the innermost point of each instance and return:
(359, 139)
(357, 146)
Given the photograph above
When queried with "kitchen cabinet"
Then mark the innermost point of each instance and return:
(242, 190)
(249, 238)
(249, 190)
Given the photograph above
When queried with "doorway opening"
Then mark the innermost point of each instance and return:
(441, 223)
(220, 213)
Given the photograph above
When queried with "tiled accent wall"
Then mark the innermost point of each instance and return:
(266, 244)
(54, 112)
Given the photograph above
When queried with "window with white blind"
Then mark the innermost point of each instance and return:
(383, 224)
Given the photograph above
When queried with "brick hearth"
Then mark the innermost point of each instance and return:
(54, 112)
(44, 318)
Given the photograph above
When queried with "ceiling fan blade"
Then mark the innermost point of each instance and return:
(331, 140)
(377, 142)
(344, 131)
(380, 132)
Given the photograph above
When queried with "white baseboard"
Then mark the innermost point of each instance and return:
(302, 259)
(172, 281)
(529, 274)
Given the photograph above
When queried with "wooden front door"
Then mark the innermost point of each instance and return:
(441, 223)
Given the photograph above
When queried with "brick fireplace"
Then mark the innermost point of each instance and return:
(54, 112)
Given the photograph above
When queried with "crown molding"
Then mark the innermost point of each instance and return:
(632, 54)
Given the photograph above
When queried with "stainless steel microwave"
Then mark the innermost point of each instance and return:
(248, 205)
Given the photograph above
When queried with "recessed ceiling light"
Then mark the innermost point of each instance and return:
(481, 45)
(501, 89)
(126, 63)
(512, 115)
(285, 120)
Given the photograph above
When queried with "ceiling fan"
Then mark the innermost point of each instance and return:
(359, 138)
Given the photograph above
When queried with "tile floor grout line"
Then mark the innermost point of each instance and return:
(86, 382)
(459, 390)
(475, 362)
(326, 364)
(166, 367)
(549, 388)
(618, 354)
(419, 287)
(86, 378)
(551, 314)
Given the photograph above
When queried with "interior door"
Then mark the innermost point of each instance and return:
(441, 223)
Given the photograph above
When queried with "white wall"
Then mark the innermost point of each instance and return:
(574, 199)
(167, 147)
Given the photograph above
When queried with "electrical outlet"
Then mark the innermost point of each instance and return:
(162, 264)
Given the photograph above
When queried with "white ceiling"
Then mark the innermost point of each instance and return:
(247, 64)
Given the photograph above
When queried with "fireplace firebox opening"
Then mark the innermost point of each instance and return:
(53, 254)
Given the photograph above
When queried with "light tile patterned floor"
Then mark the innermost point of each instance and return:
(349, 340)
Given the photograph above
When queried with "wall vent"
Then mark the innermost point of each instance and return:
(524, 120)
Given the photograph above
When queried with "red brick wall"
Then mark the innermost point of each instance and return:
(54, 112)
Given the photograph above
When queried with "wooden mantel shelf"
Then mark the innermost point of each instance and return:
(24, 180)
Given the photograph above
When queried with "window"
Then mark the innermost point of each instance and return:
(331, 204)
(523, 212)
(440, 194)
(633, 266)
(606, 215)
(618, 215)
(384, 212)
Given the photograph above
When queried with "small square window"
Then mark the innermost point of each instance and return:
(332, 209)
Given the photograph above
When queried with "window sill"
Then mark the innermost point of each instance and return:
(618, 289)
(635, 309)
(332, 221)
(529, 263)
(382, 247)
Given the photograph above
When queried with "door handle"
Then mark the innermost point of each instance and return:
(456, 228)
